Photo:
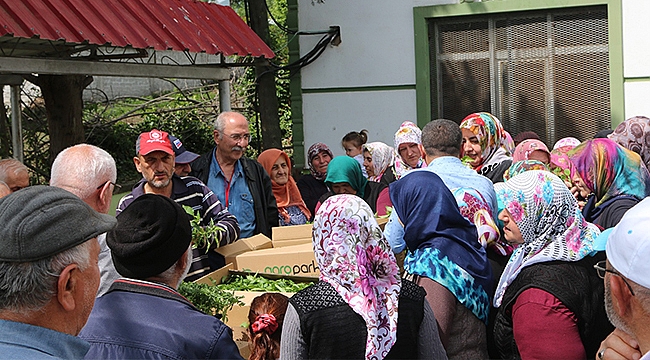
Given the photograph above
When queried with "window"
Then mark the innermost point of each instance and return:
(543, 71)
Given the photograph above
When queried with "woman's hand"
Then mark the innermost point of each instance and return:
(619, 345)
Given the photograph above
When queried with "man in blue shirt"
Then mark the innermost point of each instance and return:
(48, 272)
(239, 182)
(442, 140)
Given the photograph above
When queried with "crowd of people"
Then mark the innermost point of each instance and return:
(495, 247)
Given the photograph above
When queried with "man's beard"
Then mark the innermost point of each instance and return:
(159, 184)
(616, 320)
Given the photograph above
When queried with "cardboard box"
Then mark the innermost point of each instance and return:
(241, 246)
(381, 221)
(293, 232)
(237, 317)
(289, 260)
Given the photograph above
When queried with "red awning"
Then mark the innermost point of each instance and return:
(159, 24)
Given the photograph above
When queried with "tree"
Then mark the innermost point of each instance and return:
(64, 106)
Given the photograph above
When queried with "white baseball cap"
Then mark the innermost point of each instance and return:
(628, 245)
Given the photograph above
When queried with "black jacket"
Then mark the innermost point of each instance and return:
(259, 184)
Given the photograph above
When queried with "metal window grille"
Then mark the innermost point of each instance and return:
(546, 71)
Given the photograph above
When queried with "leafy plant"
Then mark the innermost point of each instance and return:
(260, 283)
(210, 299)
(203, 236)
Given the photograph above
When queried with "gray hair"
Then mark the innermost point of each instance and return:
(171, 273)
(81, 168)
(442, 137)
(9, 165)
(28, 286)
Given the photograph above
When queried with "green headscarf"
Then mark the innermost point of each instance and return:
(344, 169)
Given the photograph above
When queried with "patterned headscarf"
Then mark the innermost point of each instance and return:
(473, 207)
(567, 141)
(562, 166)
(550, 223)
(609, 169)
(490, 135)
(508, 142)
(526, 147)
(634, 134)
(314, 150)
(408, 132)
(285, 195)
(382, 157)
(344, 169)
(355, 258)
(442, 244)
(524, 165)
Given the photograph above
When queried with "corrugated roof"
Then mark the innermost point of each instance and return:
(159, 24)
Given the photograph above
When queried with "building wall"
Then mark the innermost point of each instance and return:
(636, 52)
(369, 80)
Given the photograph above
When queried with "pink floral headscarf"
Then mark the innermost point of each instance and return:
(549, 220)
(526, 147)
(355, 259)
(567, 141)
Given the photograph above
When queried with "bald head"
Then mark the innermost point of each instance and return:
(14, 174)
(86, 171)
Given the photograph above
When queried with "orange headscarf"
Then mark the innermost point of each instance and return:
(285, 195)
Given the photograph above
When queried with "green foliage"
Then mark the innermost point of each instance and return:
(259, 283)
(203, 236)
(210, 299)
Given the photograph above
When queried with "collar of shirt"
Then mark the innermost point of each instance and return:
(26, 341)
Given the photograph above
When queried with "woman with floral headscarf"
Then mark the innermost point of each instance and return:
(531, 149)
(634, 134)
(445, 257)
(409, 153)
(567, 141)
(312, 186)
(360, 304)
(377, 157)
(483, 149)
(550, 299)
(610, 178)
(291, 208)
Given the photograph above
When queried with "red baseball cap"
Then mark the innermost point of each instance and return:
(154, 140)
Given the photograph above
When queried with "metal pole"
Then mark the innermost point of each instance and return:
(16, 124)
(224, 95)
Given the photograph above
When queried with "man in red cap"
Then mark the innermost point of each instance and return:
(155, 161)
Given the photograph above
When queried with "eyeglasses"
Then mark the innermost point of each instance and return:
(117, 186)
(239, 137)
(601, 270)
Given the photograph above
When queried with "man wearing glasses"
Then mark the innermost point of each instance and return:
(240, 183)
(90, 173)
(627, 286)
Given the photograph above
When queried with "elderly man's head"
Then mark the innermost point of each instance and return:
(14, 174)
(88, 172)
(152, 240)
(627, 285)
(231, 134)
(155, 158)
(48, 258)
